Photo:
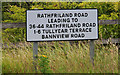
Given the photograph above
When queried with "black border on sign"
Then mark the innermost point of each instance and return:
(62, 40)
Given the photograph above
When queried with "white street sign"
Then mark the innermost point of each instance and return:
(54, 25)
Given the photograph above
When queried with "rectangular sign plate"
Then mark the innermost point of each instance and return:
(56, 25)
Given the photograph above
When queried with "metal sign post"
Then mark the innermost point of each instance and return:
(92, 51)
(35, 54)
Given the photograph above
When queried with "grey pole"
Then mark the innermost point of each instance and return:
(35, 54)
(118, 57)
(92, 51)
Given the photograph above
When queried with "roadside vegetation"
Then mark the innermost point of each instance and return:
(58, 56)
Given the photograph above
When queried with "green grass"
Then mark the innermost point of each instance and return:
(64, 58)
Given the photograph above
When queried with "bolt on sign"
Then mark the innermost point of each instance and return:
(56, 25)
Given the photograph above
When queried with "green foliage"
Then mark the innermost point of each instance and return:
(107, 31)
(64, 58)
(14, 35)
(18, 14)
(15, 12)
(106, 11)
(44, 64)
(103, 7)
(20, 59)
